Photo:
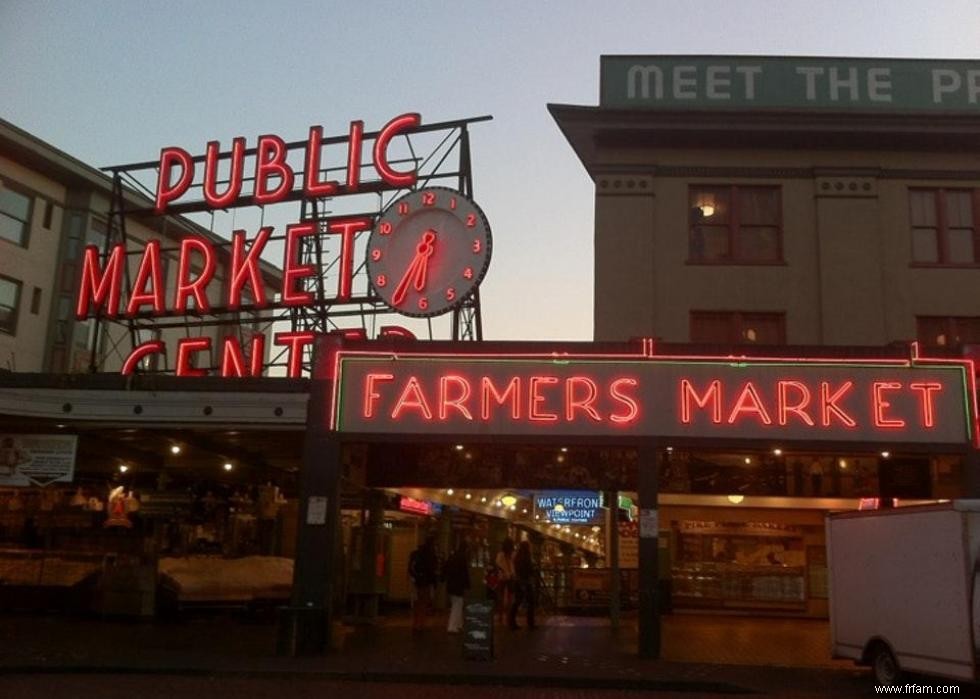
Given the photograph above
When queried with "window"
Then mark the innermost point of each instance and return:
(15, 215)
(943, 228)
(941, 331)
(48, 214)
(732, 224)
(36, 301)
(738, 328)
(9, 303)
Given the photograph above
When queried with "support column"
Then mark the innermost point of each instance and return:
(305, 625)
(648, 462)
(612, 529)
(971, 474)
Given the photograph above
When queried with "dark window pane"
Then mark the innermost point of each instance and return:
(959, 246)
(967, 330)
(711, 328)
(710, 243)
(36, 301)
(931, 332)
(15, 204)
(758, 206)
(922, 207)
(758, 243)
(959, 210)
(13, 230)
(9, 302)
(925, 245)
(762, 328)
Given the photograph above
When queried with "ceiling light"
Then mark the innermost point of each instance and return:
(175, 449)
(450, 491)
(564, 450)
(468, 496)
(499, 503)
(123, 468)
(735, 499)
(228, 466)
(524, 511)
(670, 448)
(596, 528)
(508, 500)
(483, 499)
(748, 460)
(885, 454)
(777, 451)
(842, 463)
(459, 447)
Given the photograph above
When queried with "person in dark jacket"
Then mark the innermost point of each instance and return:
(525, 579)
(423, 569)
(457, 575)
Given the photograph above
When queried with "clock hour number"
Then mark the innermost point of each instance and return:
(376, 254)
(451, 293)
(477, 245)
(423, 303)
(385, 228)
(471, 220)
(403, 208)
(381, 280)
(452, 203)
(428, 199)
(468, 273)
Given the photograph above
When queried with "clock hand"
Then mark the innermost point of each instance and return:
(425, 250)
(418, 269)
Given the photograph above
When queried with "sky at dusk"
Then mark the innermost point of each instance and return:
(113, 81)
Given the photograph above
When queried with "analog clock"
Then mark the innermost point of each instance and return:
(429, 250)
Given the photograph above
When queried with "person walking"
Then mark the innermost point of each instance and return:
(525, 577)
(505, 577)
(457, 575)
(423, 567)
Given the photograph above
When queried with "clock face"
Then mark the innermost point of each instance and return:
(429, 250)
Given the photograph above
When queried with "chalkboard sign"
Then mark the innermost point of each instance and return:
(478, 630)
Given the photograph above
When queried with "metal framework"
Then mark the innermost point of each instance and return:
(439, 153)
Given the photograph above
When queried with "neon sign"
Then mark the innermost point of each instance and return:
(107, 291)
(472, 394)
(416, 507)
(569, 507)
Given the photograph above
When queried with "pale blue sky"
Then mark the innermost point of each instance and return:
(113, 81)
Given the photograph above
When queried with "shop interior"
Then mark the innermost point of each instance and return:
(161, 522)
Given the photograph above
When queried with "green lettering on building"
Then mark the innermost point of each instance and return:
(795, 83)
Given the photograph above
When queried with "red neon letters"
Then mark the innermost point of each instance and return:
(533, 398)
(274, 177)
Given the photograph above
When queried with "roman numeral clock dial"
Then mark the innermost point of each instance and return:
(429, 251)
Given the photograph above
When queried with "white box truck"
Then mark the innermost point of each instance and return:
(903, 589)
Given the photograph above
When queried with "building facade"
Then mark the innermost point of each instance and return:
(51, 207)
(808, 214)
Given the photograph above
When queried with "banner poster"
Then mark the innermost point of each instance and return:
(36, 459)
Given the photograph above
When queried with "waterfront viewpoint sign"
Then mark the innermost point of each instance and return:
(766, 82)
(597, 395)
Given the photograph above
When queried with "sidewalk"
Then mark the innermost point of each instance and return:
(561, 653)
